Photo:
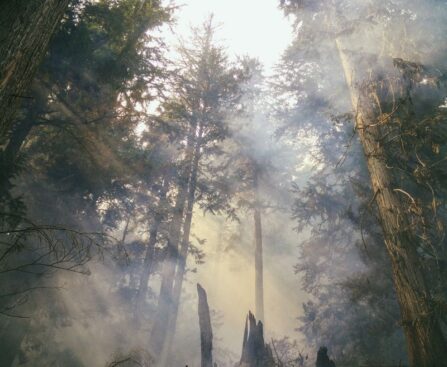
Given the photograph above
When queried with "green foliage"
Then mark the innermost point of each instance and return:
(79, 169)
(343, 262)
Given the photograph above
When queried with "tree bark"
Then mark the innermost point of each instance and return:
(259, 267)
(159, 330)
(425, 340)
(206, 331)
(9, 155)
(26, 28)
(150, 250)
(18, 137)
(183, 254)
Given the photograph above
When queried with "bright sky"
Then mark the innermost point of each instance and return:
(248, 27)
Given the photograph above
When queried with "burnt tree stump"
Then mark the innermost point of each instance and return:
(255, 353)
(206, 332)
(323, 359)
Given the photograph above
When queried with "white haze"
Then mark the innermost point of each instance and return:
(265, 35)
(102, 322)
(228, 275)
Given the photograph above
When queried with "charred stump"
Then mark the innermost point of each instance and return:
(255, 353)
(206, 332)
(323, 359)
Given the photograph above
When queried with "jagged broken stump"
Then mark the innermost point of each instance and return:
(323, 359)
(255, 353)
(206, 332)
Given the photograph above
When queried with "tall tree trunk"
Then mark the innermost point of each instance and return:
(183, 254)
(26, 28)
(150, 250)
(206, 331)
(425, 340)
(160, 327)
(259, 267)
(9, 155)
(17, 137)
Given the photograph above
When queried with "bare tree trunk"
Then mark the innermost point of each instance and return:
(425, 340)
(9, 155)
(18, 137)
(150, 250)
(206, 331)
(183, 254)
(159, 330)
(259, 271)
(26, 28)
